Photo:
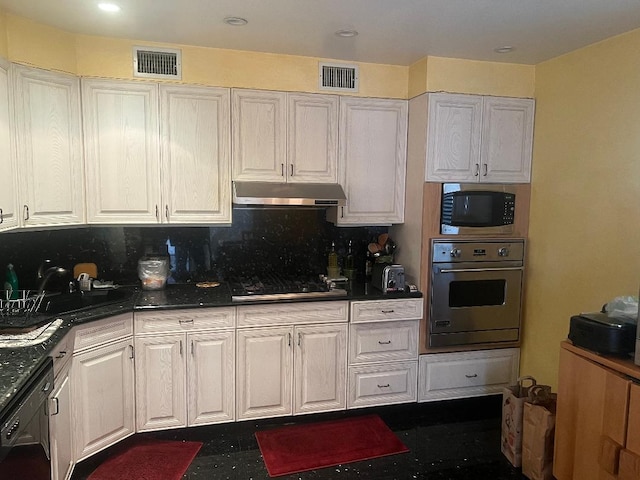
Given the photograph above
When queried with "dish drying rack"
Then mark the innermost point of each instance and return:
(26, 303)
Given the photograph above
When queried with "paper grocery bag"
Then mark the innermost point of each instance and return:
(538, 430)
(513, 399)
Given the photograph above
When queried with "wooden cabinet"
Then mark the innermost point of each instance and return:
(61, 440)
(184, 368)
(473, 138)
(597, 418)
(8, 180)
(102, 388)
(284, 137)
(372, 161)
(122, 151)
(196, 155)
(291, 359)
(152, 162)
(48, 147)
(383, 352)
(444, 376)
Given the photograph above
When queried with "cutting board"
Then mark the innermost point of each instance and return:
(90, 268)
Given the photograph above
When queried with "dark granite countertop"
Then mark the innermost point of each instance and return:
(18, 364)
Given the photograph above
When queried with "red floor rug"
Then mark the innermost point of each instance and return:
(299, 448)
(148, 459)
(26, 462)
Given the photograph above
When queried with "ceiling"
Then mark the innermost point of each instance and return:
(395, 32)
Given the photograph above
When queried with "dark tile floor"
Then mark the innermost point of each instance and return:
(456, 439)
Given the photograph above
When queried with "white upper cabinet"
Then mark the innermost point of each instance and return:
(48, 147)
(313, 138)
(157, 154)
(372, 161)
(507, 140)
(284, 137)
(473, 138)
(122, 151)
(196, 155)
(8, 179)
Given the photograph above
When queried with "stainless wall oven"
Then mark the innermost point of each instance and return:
(476, 292)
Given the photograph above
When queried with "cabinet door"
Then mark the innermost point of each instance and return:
(9, 179)
(320, 370)
(312, 138)
(507, 140)
(49, 147)
(372, 160)
(259, 123)
(453, 138)
(211, 377)
(60, 434)
(265, 373)
(103, 397)
(122, 151)
(161, 382)
(591, 419)
(196, 155)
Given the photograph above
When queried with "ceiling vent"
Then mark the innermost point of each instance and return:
(340, 77)
(157, 63)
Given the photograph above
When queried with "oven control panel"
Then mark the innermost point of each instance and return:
(446, 251)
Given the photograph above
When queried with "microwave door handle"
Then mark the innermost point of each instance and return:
(463, 270)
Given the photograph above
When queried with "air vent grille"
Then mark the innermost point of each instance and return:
(157, 63)
(339, 77)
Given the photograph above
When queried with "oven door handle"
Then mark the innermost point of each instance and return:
(463, 270)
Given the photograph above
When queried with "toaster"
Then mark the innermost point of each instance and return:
(387, 277)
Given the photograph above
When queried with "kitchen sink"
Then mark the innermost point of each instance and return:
(72, 302)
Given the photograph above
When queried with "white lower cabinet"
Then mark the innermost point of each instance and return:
(60, 433)
(444, 376)
(184, 378)
(383, 352)
(103, 397)
(286, 369)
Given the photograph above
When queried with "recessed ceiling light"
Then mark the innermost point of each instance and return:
(505, 49)
(346, 33)
(109, 7)
(236, 21)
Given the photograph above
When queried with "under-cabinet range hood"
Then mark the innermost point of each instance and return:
(289, 194)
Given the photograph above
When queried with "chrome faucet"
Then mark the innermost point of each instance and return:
(44, 275)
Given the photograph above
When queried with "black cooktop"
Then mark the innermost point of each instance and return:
(272, 286)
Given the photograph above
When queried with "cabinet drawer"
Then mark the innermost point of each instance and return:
(103, 331)
(384, 310)
(61, 353)
(382, 384)
(467, 374)
(184, 320)
(383, 341)
(293, 313)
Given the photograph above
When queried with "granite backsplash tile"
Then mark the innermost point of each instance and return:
(288, 241)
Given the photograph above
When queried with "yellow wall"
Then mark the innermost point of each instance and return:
(32, 43)
(3, 35)
(434, 74)
(36, 44)
(584, 233)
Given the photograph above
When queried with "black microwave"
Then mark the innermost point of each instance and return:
(477, 209)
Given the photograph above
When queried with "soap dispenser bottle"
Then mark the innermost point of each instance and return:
(11, 283)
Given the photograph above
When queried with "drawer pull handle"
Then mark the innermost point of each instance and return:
(57, 406)
(384, 386)
(186, 321)
(472, 376)
(61, 354)
(388, 342)
(388, 311)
